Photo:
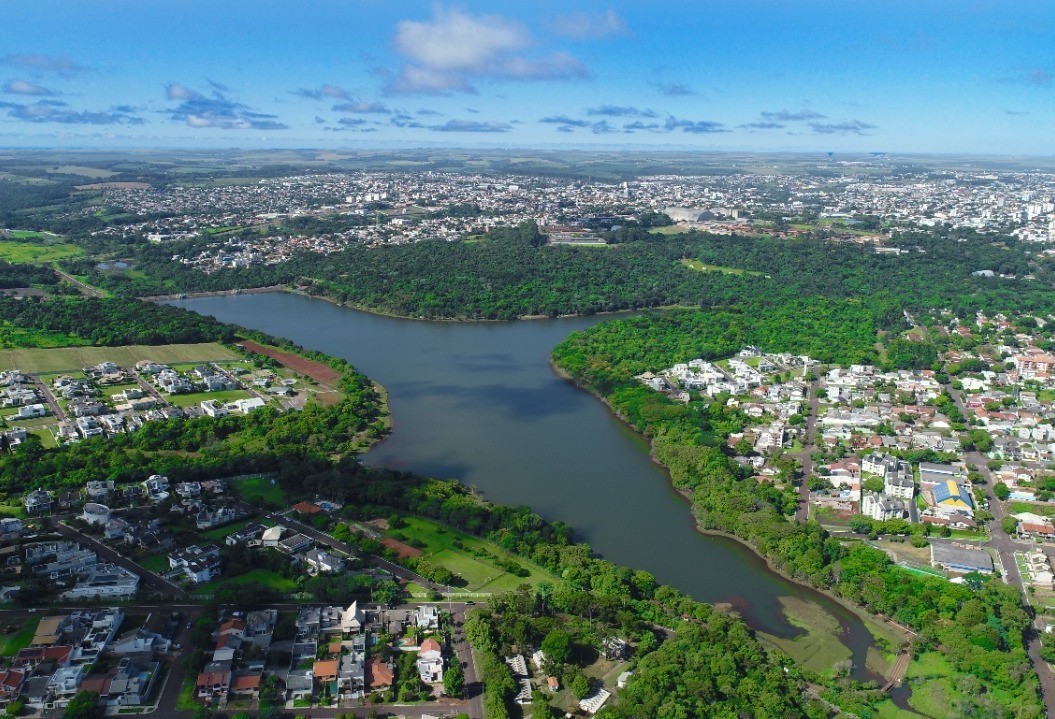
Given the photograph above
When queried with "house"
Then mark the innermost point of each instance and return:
(271, 536)
(308, 509)
(430, 661)
(212, 408)
(593, 703)
(321, 561)
(246, 685)
(37, 502)
(351, 678)
(199, 564)
(132, 683)
(157, 488)
(326, 670)
(11, 681)
(245, 406)
(954, 557)
(294, 543)
(104, 581)
(427, 616)
(899, 485)
(213, 685)
(352, 619)
(31, 411)
(881, 508)
(140, 642)
(380, 675)
(300, 684)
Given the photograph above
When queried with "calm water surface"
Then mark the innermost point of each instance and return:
(479, 402)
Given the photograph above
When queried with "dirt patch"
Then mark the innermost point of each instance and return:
(403, 550)
(321, 373)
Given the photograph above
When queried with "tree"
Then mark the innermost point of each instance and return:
(82, 706)
(1009, 524)
(557, 648)
(15, 707)
(873, 484)
(386, 592)
(580, 686)
(1001, 491)
(454, 680)
(743, 447)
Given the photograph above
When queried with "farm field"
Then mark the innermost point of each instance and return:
(74, 358)
(260, 490)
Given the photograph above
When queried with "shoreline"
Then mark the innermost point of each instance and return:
(863, 615)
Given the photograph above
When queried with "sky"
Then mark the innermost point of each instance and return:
(919, 76)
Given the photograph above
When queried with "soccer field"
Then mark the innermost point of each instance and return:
(63, 359)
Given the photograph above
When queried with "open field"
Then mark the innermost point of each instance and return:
(670, 230)
(1045, 510)
(268, 578)
(26, 253)
(704, 267)
(318, 371)
(73, 358)
(479, 574)
(261, 490)
(819, 649)
(10, 644)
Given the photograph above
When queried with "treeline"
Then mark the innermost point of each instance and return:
(113, 321)
(980, 627)
(12, 275)
(509, 274)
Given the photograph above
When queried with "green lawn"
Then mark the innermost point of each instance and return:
(1045, 510)
(156, 563)
(479, 573)
(274, 580)
(262, 491)
(670, 230)
(10, 644)
(74, 358)
(29, 253)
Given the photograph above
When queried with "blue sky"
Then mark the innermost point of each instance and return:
(920, 76)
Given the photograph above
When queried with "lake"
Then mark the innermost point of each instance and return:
(479, 402)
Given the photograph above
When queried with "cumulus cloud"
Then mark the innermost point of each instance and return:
(620, 111)
(674, 89)
(325, 92)
(472, 126)
(453, 49)
(22, 87)
(787, 116)
(216, 110)
(401, 119)
(848, 127)
(696, 127)
(43, 111)
(61, 65)
(590, 26)
(639, 126)
(426, 111)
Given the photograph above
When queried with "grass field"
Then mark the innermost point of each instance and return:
(10, 644)
(74, 358)
(156, 563)
(261, 490)
(266, 577)
(217, 534)
(480, 575)
(26, 253)
(704, 267)
(1045, 510)
(819, 649)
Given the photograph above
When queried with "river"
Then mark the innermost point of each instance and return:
(479, 402)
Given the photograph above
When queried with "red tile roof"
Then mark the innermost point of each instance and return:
(307, 508)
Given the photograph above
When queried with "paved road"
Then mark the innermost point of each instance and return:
(86, 290)
(150, 579)
(49, 397)
(1006, 548)
(806, 456)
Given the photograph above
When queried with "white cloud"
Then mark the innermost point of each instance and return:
(21, 87)
(447, 53)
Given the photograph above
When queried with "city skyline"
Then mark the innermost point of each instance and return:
(759, 76)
